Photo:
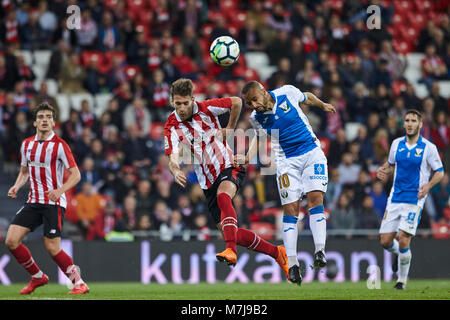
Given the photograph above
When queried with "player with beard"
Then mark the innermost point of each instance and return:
(412, 160)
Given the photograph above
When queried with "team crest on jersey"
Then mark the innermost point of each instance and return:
(418, 152)
(284, 194)
(284, 106)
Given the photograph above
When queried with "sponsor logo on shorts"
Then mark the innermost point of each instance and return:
(318, 178)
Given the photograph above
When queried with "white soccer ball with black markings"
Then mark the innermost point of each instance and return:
(224, 51)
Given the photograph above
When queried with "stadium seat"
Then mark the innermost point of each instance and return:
(264, 229)
(101, 103)
(420, 90)
(271, 212)
(27, 56)
(64, 106)
(257, 59)
(52, 87)
(423, 5)
(87, 56)
(445, 89)
(398, 87)
(131, 70)
(440, 230)
(156, 130)
(325, 145)
(77, 98)
(351, 130)
(42, 57)
(39, 71)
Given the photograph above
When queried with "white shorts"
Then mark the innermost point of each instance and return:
(401, 216)
(297, 176)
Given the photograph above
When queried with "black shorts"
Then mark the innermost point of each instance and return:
(233, 174)
(32, 215)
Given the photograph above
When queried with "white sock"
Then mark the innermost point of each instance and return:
(290, 235)
(404, 262)
(318, 226)
(394, 248)
(38, 275)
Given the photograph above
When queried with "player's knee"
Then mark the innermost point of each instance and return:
(315, 199)
(52, 248)
(385, 243)
(11, 243)
(403, 242)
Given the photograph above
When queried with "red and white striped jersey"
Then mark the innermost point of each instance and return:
(210, 155)
(46, 161)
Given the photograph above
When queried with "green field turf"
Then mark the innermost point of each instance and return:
(438, 289)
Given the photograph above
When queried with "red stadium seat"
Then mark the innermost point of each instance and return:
(228, 5)
(109, 56)
(325, 145)
(264, 229)
(423, 5)
(403, 6)
(110, 3)
(398, 20)
(402, 46)
(156, 130)
(131, 71)
(87, 56)
(398, 87)
(416, 20)
(271, 212)
(440, 230)
(206, 30)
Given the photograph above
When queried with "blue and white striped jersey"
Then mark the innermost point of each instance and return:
(289, 128)
(413, 167)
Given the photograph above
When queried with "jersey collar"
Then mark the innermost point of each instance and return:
(50, 137)
(275, 104)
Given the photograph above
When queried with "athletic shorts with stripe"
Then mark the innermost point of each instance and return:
(32, 215)
(233, 174)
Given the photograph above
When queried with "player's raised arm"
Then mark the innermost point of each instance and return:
(235, 111)
(312, 100)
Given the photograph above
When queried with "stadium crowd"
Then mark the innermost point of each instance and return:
(135, 49)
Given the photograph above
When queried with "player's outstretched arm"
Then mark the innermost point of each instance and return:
(174, 168)
(312, 100)
(22, 178)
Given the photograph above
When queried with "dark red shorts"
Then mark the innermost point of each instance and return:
(233, 174)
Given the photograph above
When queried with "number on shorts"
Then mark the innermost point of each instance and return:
(283, 180)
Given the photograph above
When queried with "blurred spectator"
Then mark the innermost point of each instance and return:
(220, 28)
(189, 15)
(334, 189)
(249, 37)
(160, 215)
(381, 145)
(381, 75)
(8, 74)
(440, 194)
(43, 96)
(440, 131)
(59, 56)
(192, 46)
(365, 144)
(89, 205)
(440, 103)
(280, 47)
(19, 130)
(129, 213)
(158, 91)
(367, 217)
(379, 198)
(108, 220)
(72, 76)
(138, 118)
(144, 199)
(26, 75)
(137, 50)
(339, 145)
(348, 170)
(90, 174)
(108, 35)
(278, 20)
(136, 148)
(343, 217)
(410, 98)
(87, 34)
(72, 128)
(433, 67)
(395, 65)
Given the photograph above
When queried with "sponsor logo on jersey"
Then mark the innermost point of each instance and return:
(319, 168)
(38, 164)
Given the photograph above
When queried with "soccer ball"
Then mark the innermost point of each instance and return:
(224, 51)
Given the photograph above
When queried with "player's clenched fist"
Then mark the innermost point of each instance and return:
(12, 193)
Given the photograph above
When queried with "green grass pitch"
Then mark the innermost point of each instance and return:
(436, 289)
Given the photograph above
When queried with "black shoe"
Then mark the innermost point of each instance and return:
(400, 286)
(294, 275)
(395, 263)
(319, 259)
